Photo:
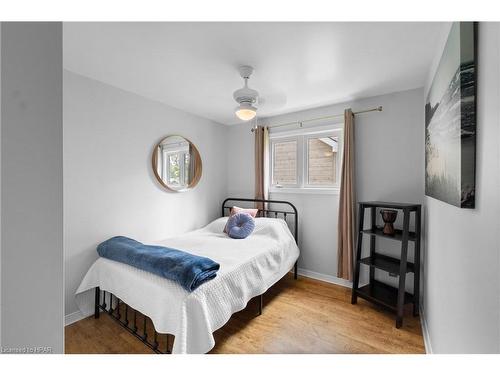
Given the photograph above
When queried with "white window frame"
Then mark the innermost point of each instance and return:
(272, 142)
(302, 137)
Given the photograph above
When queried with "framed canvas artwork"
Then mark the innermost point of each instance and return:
(450, 121)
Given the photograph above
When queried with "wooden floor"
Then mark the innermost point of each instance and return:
(303, 316)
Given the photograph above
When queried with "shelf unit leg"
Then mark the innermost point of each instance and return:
(357, 265)
(399, 321)
(373, 220)
(416, 261)
(402, 269)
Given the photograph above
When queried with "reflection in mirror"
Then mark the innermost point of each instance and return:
(177, 163)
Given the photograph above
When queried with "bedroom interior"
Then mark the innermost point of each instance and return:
(249, 187)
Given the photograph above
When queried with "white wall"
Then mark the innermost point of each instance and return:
(389, 160)
(109, 186)
(461, 279)
(32, 186)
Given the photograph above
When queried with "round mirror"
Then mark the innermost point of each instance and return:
(177, 163)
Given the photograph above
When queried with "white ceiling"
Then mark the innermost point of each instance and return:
(193, 66)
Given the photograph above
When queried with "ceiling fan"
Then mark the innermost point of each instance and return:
(246, 97)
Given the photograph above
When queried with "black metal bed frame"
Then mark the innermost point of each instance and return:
(114, 306)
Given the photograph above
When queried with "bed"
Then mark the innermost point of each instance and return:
(248, 268)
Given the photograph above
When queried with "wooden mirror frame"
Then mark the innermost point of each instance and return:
(197, 170)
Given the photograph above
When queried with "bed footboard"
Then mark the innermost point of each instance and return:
(139, 324)
(133, 321)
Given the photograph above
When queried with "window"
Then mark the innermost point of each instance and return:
(305, 160)
(322, 161)
(285, 163)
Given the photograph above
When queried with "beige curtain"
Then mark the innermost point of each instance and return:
(261, 164)
(347, 202)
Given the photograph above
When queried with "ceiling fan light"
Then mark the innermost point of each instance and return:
(246, 111)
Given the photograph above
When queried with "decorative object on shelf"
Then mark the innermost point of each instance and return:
(377, 291)
(389, 217)
(177, 163)
(450, 120)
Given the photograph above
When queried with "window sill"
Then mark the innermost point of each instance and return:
(331, 191)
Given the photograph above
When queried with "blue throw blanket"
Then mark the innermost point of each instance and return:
(189, 270)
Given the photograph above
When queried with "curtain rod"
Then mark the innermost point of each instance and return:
(300, 122)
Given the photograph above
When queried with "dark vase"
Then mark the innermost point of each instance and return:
(389, 217)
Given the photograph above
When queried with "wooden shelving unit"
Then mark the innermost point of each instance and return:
(376, 291)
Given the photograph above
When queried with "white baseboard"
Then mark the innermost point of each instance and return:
(74, 317)
(326, 278)
(425, 332)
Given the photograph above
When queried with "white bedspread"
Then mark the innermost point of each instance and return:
(248, 268)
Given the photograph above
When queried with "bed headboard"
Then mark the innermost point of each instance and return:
(274, 209)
